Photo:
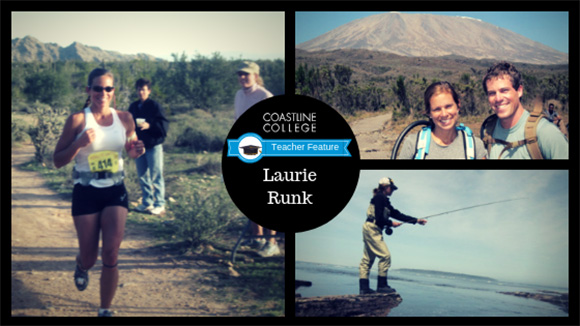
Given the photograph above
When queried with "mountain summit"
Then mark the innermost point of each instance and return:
(426, 35)
(29, 49)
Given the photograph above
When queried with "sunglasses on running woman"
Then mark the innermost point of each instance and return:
(99, 89)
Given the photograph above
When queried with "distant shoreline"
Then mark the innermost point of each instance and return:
(427, 271)
(559, 299)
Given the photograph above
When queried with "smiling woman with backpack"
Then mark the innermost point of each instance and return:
(443, 138)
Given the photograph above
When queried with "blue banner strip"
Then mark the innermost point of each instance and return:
(298, 148)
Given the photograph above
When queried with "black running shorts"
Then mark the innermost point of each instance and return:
(90, 200)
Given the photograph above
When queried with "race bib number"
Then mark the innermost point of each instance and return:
(104, 161)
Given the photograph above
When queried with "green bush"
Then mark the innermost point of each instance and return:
(198, 141)
(46, 132)
(210, 165)
(200, 217)
(47, 86)
(19, 131)
(198, 131)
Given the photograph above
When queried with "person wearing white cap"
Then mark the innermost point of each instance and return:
(252, 91)
(378, 215)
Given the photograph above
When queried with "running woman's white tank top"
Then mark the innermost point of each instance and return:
(107, 138)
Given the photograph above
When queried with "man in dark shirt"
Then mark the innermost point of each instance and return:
(152, 126)
(374, 246)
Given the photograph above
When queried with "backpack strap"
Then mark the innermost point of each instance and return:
(508, 145)
(530, 134)
(486, 132)
(468, 142)
(487, 129)
(423, 143)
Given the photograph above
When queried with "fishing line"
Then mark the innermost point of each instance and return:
(470, 207)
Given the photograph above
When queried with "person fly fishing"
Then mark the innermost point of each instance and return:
(378, 214)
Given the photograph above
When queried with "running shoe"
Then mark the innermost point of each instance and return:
(158, 210)
(144, 209)
(269, 250)
(81, 278)
(105, 313)
(255, 243)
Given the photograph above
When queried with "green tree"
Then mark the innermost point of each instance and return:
(400, 91)
(47, 87)
(342, 74)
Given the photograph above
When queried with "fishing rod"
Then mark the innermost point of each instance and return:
(389, 231)
(470, 207)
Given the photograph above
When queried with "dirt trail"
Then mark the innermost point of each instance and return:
(373, 137)
(44, 246)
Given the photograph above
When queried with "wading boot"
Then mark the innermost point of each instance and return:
(383, 286)
(364, 286)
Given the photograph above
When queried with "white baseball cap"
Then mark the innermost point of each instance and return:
(249, 67)
(386, 181)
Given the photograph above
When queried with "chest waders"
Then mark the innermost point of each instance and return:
(386, 214)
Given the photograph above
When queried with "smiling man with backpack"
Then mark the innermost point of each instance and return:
(513, 132)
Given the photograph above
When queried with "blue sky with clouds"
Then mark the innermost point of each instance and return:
(548, 28)
(523, 241)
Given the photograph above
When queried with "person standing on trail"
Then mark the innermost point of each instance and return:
(552, 115)
(252, 92)
(152, 126)
(378, 213)
(503, 87)
(94, 138)
(440, 139)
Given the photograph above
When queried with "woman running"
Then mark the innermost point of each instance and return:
(95, 138)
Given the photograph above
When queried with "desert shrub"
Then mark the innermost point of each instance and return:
(46, 132)
(209, 164)
(199, 140)
(131, 178)
(198, 131)
(19, 131)
(47, 86)
(199, 217)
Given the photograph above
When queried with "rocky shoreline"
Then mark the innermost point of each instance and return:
(368, 305)
(555, 298)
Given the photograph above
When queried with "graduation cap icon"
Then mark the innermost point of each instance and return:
(250, 149)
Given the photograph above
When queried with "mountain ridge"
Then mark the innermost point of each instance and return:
(428, 35)
(30, 49)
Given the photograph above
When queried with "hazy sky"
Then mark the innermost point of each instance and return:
(548, 28)
(249, 35)
(524, 241)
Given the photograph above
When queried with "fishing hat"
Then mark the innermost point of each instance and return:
(249, 67)
(388, 182)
